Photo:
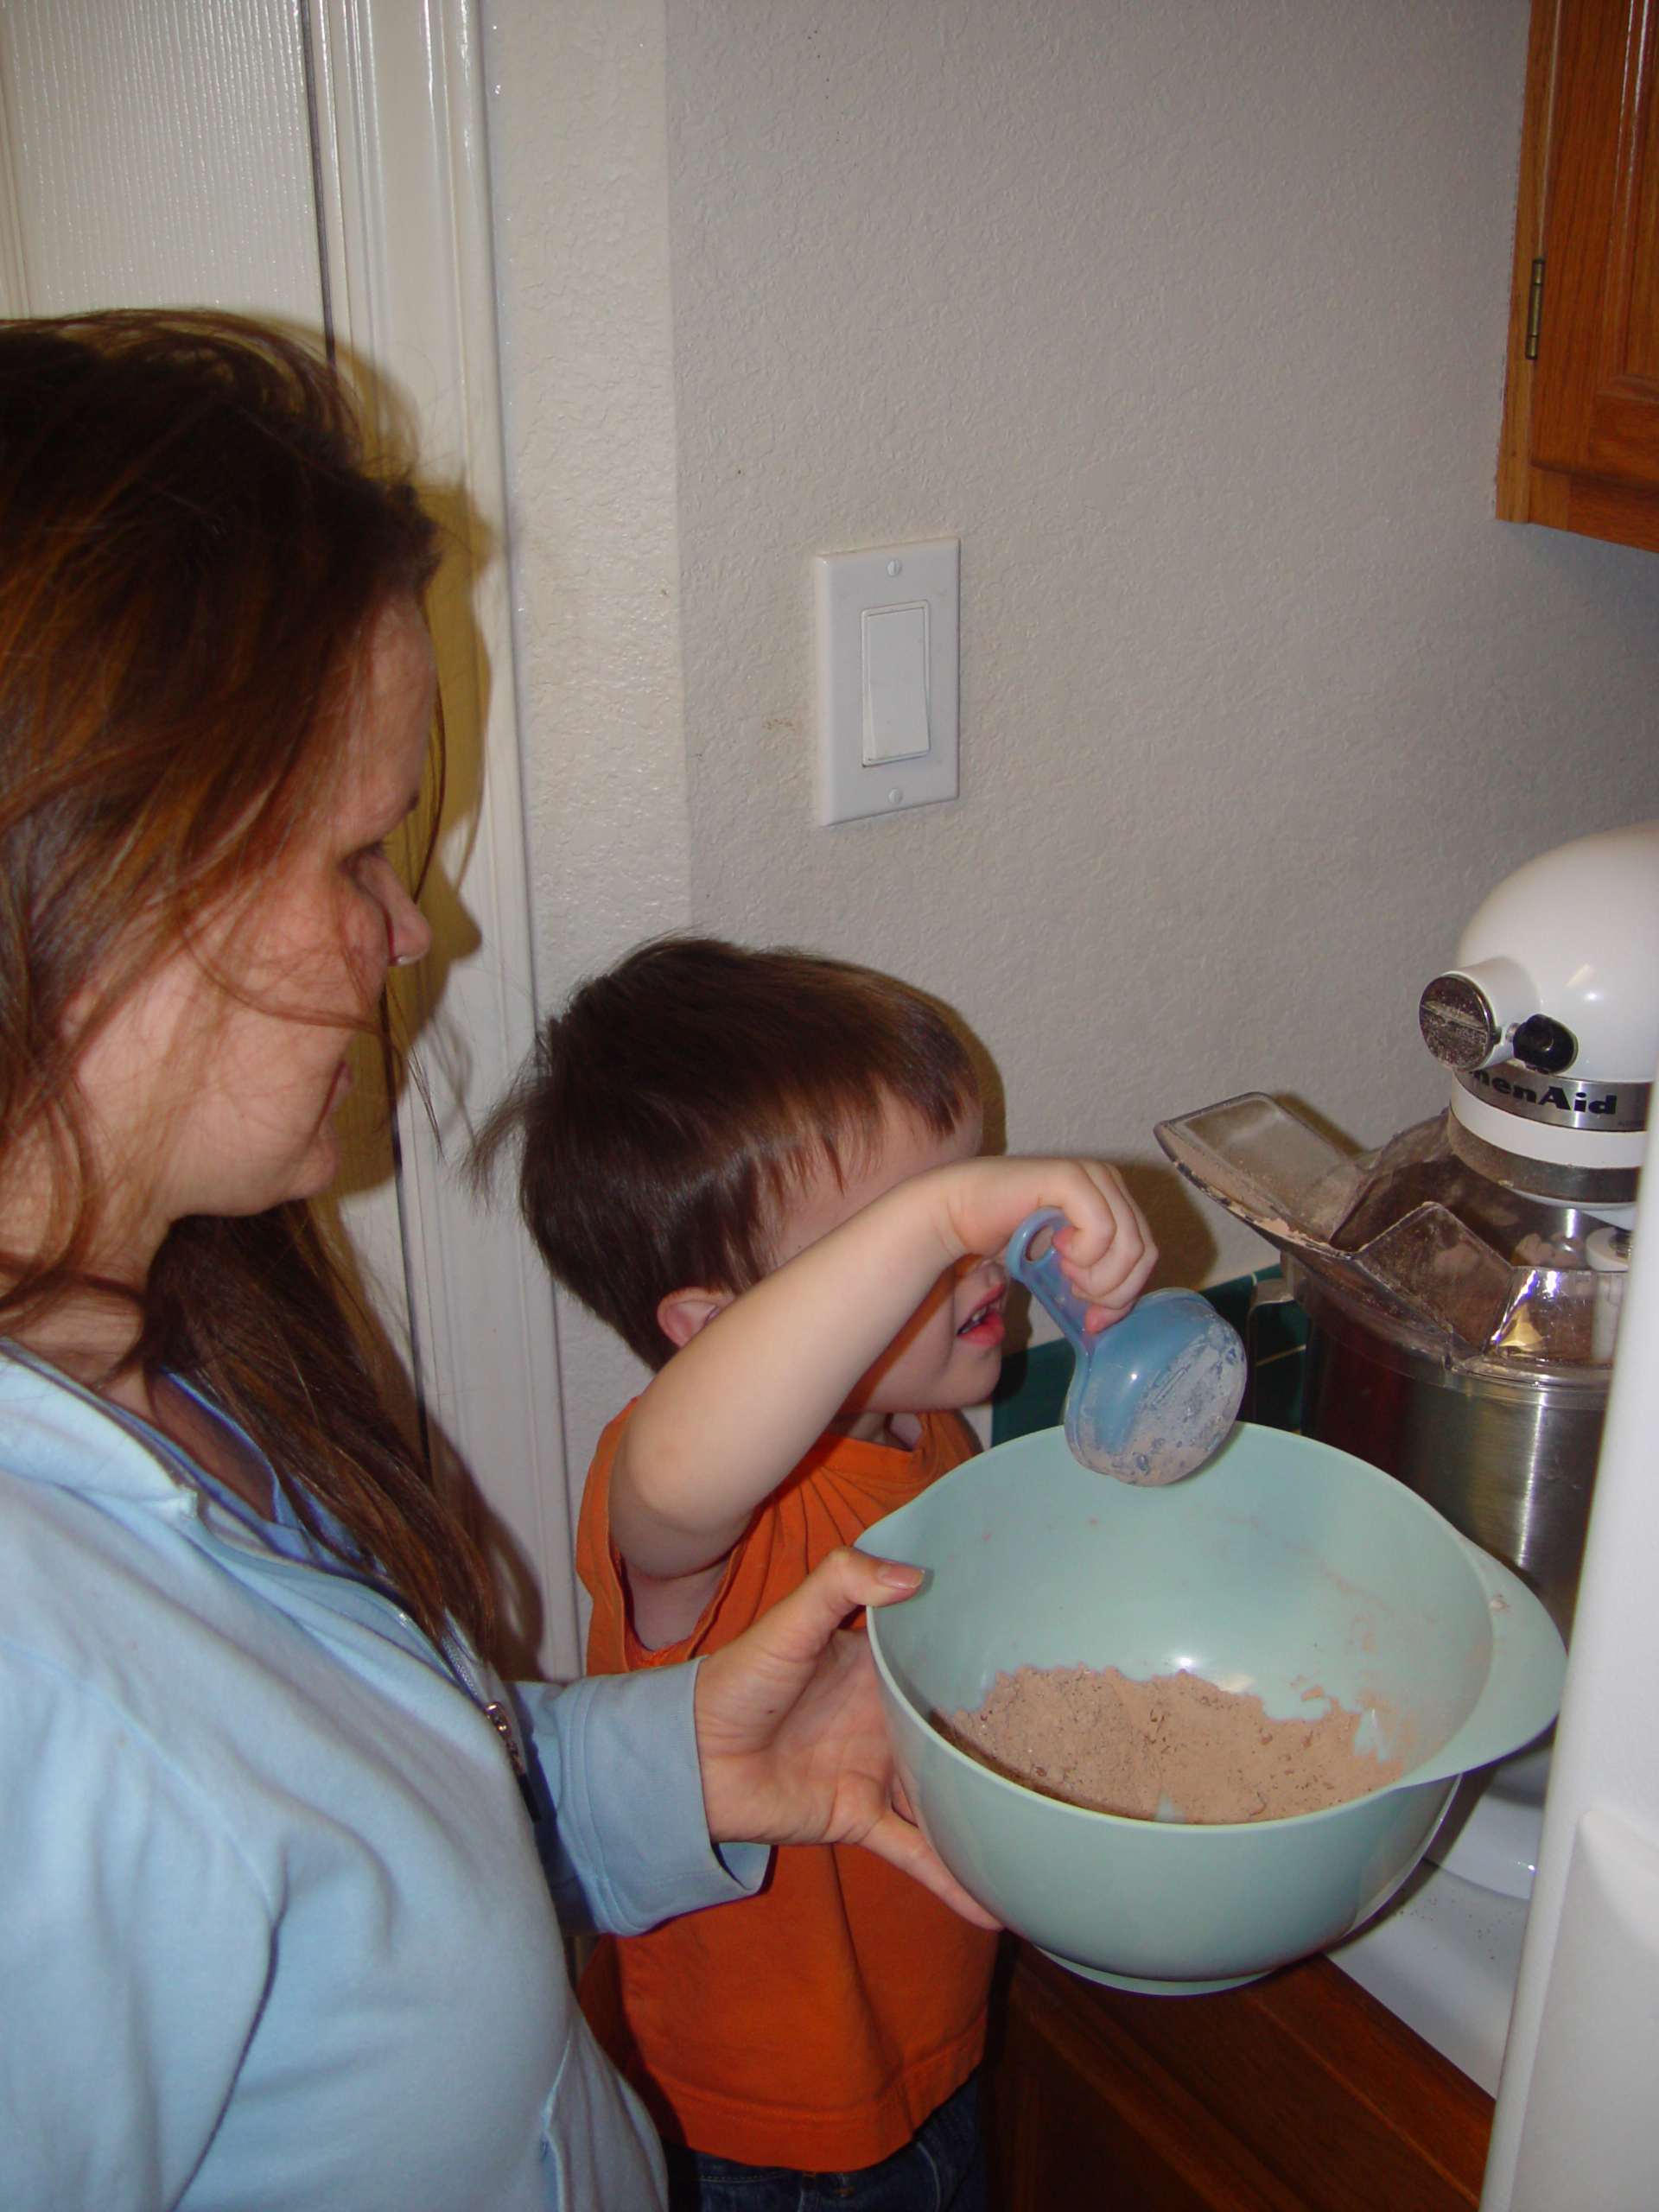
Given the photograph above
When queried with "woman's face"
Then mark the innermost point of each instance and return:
(220, 1100)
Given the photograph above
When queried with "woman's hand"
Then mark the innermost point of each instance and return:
(791, 1739)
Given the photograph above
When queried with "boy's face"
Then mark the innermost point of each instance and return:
(950, 1352)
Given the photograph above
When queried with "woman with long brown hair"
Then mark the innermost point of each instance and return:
(278, 1849)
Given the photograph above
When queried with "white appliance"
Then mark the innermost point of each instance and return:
(1516, 1286)
(1536, 1000)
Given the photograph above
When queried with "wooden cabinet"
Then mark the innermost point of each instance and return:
(1580, 443)
(1298, 2093)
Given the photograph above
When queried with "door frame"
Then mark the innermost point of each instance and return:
(404, 227)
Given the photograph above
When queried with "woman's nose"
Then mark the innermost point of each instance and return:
(408, 932)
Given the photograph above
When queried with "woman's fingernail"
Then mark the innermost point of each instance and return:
(899, 1578)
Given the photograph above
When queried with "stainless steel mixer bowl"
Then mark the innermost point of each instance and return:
(1508, 1460)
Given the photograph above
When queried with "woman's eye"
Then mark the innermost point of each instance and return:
(363, 862)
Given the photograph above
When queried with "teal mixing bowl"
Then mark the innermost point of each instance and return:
(1280, 1567)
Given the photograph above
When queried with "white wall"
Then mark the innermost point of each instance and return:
(1189, 320)
(578, 157)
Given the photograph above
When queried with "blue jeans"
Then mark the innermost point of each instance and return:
(941, 2169)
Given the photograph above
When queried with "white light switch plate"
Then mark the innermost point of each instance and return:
(886, 687)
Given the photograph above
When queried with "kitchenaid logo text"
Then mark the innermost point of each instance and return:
(1604, 1106)
(1553, 1096)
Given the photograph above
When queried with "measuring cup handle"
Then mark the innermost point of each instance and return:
(1045, 1279)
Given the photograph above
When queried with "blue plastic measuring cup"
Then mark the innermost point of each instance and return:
(1151, 1397)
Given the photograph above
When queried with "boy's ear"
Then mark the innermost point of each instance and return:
(682, 1312)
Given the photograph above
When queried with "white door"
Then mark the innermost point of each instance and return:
(1577, 2124)
(322, 163)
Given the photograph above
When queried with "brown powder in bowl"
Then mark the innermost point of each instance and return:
(1174, 1748)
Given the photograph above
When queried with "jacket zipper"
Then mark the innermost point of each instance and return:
(498, 1714)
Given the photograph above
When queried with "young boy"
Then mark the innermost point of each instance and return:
(762, 1169)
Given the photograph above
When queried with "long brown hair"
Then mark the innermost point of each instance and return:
(192, 552)
(672, 1111)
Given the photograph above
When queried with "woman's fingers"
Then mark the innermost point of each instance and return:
(902, 1846)
(789, 1735)
(797, 1629)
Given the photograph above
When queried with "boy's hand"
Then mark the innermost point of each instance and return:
(1106, 1249)
(728, 1416)
(790, 1740)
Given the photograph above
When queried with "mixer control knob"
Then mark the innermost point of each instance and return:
(1457, 1023)
(1545, 1046)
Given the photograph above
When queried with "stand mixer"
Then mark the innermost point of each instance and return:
(1462, 1282)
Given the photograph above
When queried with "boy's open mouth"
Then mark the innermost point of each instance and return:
(984, 1324)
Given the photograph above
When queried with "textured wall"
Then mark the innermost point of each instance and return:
(578, 152)
(1189, 320)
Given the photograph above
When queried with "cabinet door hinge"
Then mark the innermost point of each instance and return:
(1534, 307)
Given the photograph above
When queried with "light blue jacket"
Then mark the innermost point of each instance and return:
(273, 1930)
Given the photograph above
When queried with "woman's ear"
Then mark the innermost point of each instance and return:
(682, 1312)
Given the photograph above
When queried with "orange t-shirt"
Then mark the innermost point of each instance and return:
(817, 2025)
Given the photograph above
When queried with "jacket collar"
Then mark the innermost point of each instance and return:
(53, 1431)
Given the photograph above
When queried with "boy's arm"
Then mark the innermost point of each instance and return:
(664, 1609)
(722, 1424)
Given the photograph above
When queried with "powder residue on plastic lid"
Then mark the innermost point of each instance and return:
(1176, 1747)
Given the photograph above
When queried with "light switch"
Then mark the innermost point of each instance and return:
(895, 682)
(887, 676)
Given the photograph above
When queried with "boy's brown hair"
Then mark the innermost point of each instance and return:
(673, 1108)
